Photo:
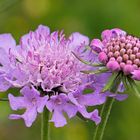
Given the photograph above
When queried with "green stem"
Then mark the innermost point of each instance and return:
(45, 125)
(4, 99)
(105, 111)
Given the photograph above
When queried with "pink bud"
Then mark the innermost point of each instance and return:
(102, 57)
(136, 74)
(113, 66)
(128, 69)
(96, 45)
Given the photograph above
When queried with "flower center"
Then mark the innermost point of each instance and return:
(125, 50)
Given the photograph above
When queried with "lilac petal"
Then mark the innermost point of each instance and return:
(4, 60)
(40, 31)
(41, 103)
(95, 117)
(73, 99)
(4, 84)
(101, 79)
(7, 42)
(29, 116)
(92, 115)
(58, 118)
(96, 45)
(121, 87)
(70, 109)
(84, 112)
(16, 102)
(20, 78)
(121, 97)
(44, 30)
(92, 99)
(50, 105)
(14, 117)
(78, 39)
(29, 92)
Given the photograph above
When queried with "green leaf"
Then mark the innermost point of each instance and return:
(95, 71)
(134, 88)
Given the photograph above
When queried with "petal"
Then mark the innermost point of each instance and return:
(16, 102)
(4, 60)
(96, 45)
(92, 115)
(18, 78)
(29, 92)
(70, 109)
(41, 103)
(73, 99)
(78, 44)
(50, 105)
(119, 97)
(14, 117)
(58, 118)
(101, 80)
(29, 116)
(44, 30)
(92, 99)
(78, 39)
(121, 87)
(7, 42)
(4, 84)
(95, 117)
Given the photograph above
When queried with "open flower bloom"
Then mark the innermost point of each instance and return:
(44, 67)
(119, 51)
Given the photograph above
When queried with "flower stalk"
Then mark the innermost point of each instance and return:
(106, 108)
(4, 99)
(45, 125)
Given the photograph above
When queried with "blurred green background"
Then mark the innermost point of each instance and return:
(89, 17)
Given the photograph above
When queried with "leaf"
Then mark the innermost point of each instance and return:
(134, 87)
(95, 71)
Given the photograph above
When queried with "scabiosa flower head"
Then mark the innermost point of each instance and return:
(44, 67)
(119, 51)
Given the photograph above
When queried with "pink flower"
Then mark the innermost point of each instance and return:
(119, 51)
(44, 68)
